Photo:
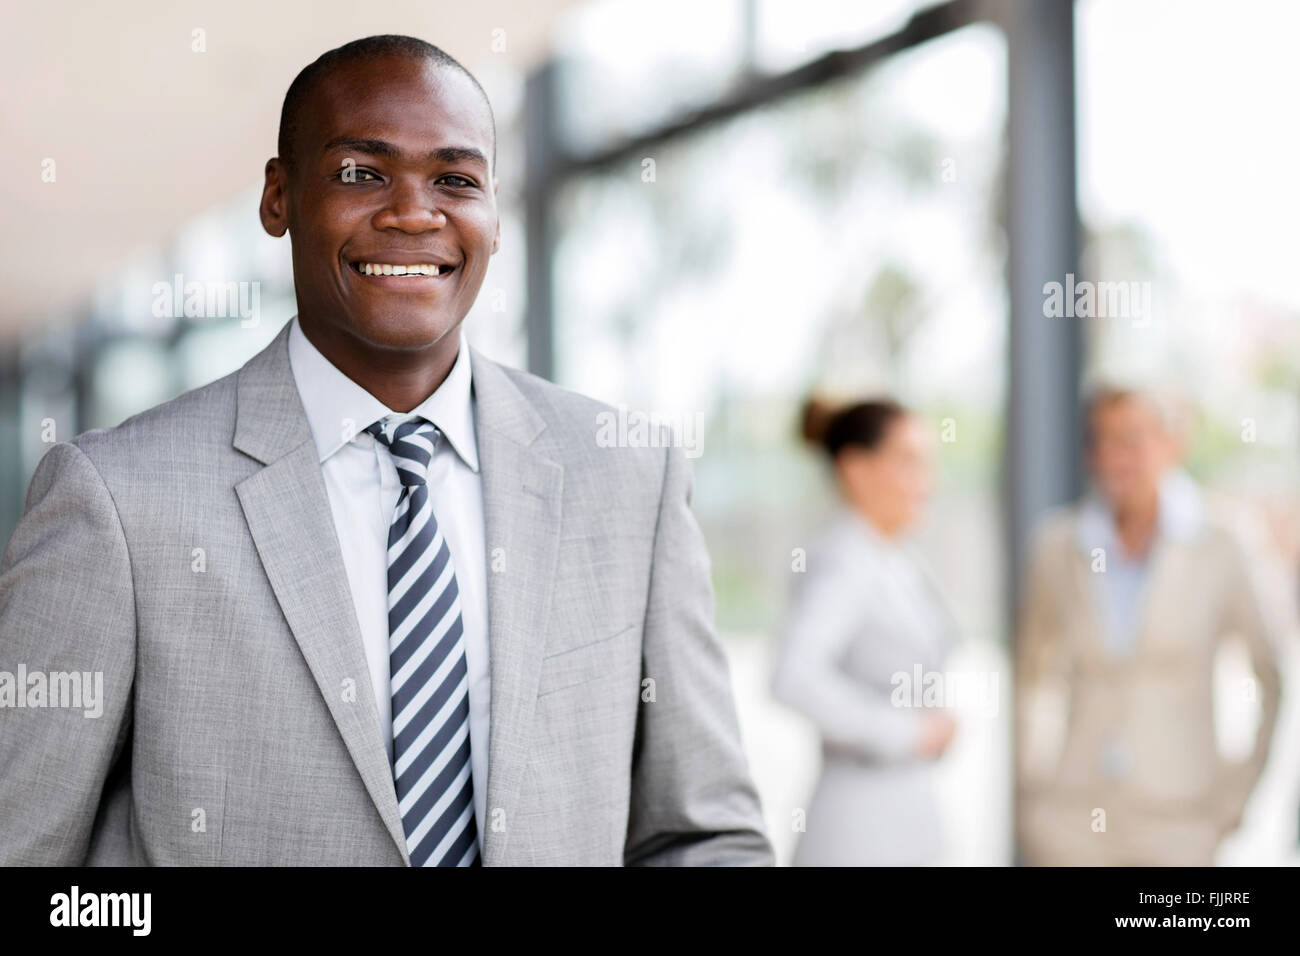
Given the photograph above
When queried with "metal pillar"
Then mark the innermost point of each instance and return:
(1043, 461)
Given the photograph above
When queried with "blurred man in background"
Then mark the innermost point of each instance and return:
(1130, 595)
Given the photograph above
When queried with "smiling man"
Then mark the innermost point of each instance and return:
(373, 598)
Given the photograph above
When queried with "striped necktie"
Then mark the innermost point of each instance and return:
(429, 678)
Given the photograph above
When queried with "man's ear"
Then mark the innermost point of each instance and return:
(274, 210)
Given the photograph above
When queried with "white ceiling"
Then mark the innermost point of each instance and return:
(145, 133)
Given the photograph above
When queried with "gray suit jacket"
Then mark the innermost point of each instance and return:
(238, 726)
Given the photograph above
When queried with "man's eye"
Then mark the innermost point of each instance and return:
(460, 182)
(351, 174)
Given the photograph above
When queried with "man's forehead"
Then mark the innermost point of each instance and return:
(407, 103)
(1128, 414)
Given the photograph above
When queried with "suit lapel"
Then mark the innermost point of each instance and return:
(1089, 597)
(522, 514)
(288, 513)
(1169, 569)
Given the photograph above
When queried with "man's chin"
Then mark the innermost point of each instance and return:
(408, 330)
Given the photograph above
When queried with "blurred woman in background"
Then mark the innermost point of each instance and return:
(867, 617)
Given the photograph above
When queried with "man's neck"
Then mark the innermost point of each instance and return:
(1135, 523)
(401, 380)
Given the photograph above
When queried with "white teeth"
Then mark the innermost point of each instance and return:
(386, 269)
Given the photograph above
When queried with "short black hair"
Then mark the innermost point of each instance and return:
(365, 50)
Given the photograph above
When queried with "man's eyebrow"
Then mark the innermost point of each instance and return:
(458, 154)
(371, 147)
(380, 147)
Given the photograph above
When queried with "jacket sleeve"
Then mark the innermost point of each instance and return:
(823, 621)
(67, 606)
(692, 799)
(1262, 614)
(1042, 677)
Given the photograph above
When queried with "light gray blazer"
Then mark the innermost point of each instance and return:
(238, 724)
(865, 617)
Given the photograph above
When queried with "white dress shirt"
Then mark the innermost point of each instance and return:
(1122, 590)
(363, 489)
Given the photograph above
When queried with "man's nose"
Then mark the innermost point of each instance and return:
(412, 207)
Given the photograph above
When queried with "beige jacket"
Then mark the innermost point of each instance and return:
(1117, 761)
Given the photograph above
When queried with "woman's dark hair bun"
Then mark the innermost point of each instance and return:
(860, 425)
(815, 420)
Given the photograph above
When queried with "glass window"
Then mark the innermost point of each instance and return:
(845, 240)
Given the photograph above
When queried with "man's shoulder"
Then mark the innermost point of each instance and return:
(1056, 533)
(1059, 522)
(590, 433)
(1233, 525)
(184, 427)
(563, 404)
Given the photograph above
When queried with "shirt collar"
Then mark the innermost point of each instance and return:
(866, 530)
(1179, 516)
(339, 409)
